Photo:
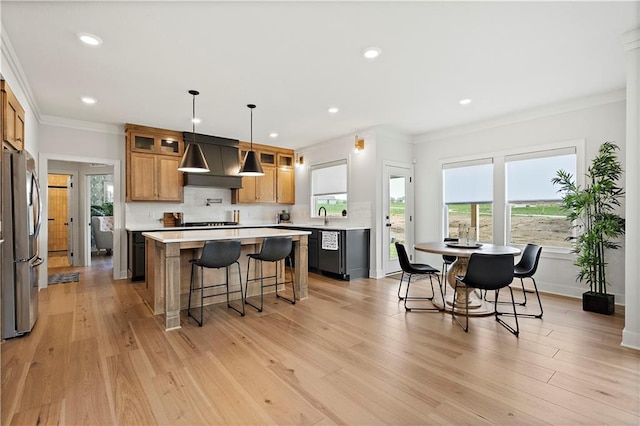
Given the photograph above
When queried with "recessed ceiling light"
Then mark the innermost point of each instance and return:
(88, 100)
(196, 120)
(371, 52)
(333, 110)
(273, 135)
(89, 39)
(465, 101)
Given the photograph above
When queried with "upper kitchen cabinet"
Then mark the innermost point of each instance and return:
(12, 119)
(285, 178)
(277, 185)
(153, 157)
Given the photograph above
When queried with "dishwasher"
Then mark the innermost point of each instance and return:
(330, 256)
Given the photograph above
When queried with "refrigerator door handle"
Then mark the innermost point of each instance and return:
(37, 262)
(39, 221)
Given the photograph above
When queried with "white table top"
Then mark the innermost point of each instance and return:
(181, 236)
(440, 247)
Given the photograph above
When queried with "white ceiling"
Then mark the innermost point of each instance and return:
(295, 59)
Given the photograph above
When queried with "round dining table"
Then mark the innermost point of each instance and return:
(477, 306)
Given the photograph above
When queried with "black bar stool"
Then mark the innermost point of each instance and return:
(274, 249)
(216, 255)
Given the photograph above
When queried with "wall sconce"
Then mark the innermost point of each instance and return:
(358, 145)
(299, 160)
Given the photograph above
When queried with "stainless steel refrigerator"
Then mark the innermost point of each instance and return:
(21, 219)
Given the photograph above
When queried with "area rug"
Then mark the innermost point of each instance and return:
(70, 277)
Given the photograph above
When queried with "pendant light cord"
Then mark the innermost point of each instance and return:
(251, 128)
(193, 119)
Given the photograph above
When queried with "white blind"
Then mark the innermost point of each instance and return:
(329, 179)
(469, 182)
(529, 176)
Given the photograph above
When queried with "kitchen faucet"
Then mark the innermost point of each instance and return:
(326, 221)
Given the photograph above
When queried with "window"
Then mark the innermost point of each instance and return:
(533, 203)
(329, 189)
(468, 197)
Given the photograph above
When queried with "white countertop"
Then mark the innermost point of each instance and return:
(182, 236)
(330, 227)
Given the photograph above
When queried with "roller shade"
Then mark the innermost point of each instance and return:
(468, 182)
(529, 176)
(329, 179)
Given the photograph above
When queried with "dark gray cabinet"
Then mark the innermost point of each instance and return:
(350, 259)
(135, 260)
(312, 252)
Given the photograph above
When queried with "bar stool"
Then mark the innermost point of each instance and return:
(274, 249)
(216, 255)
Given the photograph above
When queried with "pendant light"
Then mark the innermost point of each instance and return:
(251, 165)
(193, 160)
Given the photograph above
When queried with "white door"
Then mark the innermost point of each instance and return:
(397, 221)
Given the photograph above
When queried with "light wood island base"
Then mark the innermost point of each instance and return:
(168, 271)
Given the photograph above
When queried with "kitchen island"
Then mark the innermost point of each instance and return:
(168, 270)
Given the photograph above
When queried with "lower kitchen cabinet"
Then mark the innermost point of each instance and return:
(136, 258)
(344, 253)
(348, 258)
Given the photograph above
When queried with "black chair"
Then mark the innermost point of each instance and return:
(487, 272)
(216, 255)
(446, 261)
(274, 249)
(525, 268)
(412, 269)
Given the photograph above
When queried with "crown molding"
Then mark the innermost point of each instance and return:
(113, 129)
(525, 115)
(16, 68)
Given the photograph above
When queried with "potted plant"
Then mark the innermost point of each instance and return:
(592, 210)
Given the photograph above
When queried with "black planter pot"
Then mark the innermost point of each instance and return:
(599, 303)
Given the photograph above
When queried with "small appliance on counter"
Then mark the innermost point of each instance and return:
(283, 217)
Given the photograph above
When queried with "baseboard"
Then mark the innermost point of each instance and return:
(630, 339)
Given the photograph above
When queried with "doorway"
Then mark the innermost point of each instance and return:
(100, 196)
(80, 167)
(398, 214)
(59, 219)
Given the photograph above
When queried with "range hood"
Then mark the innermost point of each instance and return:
(223, 158)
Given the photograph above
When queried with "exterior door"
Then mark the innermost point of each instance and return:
(398, 214)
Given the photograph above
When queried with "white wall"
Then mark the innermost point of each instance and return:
(103, 144)
(593, 123)
(364, 185)
(79, 199)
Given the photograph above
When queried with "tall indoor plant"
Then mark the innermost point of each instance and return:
(592, 210)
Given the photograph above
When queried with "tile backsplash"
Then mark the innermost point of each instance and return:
(195, 209)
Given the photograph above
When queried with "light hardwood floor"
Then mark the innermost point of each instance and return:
(349, 354)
